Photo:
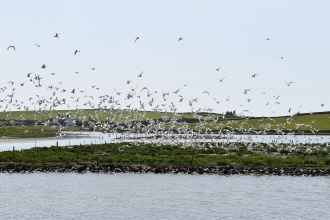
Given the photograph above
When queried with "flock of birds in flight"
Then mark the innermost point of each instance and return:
(136, 121)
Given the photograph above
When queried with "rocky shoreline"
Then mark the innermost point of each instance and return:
(171, 169)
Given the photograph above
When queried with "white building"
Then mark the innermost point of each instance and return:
(70, 122)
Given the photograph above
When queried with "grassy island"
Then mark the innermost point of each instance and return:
(128, 153)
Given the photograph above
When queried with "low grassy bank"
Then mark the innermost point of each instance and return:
(27, 132)
(165, 155)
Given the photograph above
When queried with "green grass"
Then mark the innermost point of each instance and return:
(27, 131)
(297, 124)
(127, 153)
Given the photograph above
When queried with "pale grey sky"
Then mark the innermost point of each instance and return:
(227, 34)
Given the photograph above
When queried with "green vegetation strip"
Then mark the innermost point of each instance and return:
(127, 153)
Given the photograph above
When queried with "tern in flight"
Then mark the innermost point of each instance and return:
(56, 35)
(288, 83)
(11, 47)
(137, 38)
(222, 79)
(140, 75)
(217, 69)
(180, 39)
(76, 51)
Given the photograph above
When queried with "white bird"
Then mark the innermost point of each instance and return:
(254, 75)
(267, 39)
(137, 38)
(76, 51)
(280, 58)
(37, 45)
(180, 38)
(57, 35)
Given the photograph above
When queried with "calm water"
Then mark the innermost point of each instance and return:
(98, 138)
(152, 196)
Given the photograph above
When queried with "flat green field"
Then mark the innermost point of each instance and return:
(128, 153)
(303, 124)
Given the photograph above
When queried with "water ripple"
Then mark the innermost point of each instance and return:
(168, 196)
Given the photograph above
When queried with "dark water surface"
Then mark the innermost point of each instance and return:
(152, 196)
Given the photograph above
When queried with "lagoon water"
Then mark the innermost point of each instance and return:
(77, 138)
(166, 196)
